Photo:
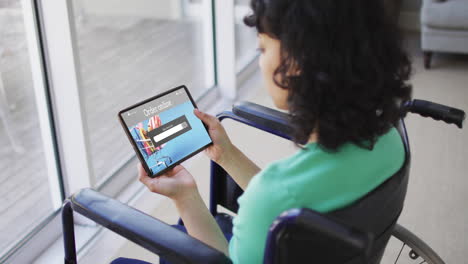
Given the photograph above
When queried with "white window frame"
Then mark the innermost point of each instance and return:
(42, 102)
(48, 230)
(225, 49)
(65, 81)
(228, 75)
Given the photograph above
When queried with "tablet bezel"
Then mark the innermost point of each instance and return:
(132, 142)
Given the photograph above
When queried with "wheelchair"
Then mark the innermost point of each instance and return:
(357, 233)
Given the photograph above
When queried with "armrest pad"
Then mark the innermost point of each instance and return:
(263, 116)
(144, 230)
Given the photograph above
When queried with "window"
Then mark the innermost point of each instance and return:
(132, 50)
(245, 37)
(66, 69)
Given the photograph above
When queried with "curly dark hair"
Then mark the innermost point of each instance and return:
(353, 69)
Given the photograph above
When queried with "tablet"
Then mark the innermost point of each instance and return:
(164, 131)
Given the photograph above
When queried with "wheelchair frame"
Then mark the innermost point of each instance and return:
(179, 247)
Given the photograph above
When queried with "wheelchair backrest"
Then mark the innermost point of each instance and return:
(374, 214)
(357, 233)
(303, 235)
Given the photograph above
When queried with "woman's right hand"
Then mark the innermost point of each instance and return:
(222, 146)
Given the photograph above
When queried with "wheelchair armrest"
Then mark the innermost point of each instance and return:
(260, 117)
(142, 229)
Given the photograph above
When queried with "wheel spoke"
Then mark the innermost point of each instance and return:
(400, 253)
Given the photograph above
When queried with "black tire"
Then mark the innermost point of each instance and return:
(417, 245)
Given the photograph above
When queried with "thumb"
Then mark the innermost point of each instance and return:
(176, 170)
(206, 118)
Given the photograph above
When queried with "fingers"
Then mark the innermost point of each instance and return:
(176, 170)
(141, 171)
(143, 176)
(172, 171)
(147, 181)
(210, 120)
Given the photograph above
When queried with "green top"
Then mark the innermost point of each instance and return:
(311, 178)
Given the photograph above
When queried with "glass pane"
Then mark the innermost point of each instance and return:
(246, 37)
(25, 197)
(130, 51)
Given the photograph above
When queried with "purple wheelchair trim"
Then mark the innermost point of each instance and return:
(231, 115)
(128, 261)
(287, 218)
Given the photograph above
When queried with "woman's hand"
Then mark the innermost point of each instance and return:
(177, 184)
(222, 146)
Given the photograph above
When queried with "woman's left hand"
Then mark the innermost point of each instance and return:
(177, 184)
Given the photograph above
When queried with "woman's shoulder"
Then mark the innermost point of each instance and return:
(305, 159)
(388, 152)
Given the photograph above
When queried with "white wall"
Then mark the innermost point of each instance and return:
(160, 9)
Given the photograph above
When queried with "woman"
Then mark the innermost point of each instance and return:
(338, 67)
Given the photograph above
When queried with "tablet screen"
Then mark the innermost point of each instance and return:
(164, 130)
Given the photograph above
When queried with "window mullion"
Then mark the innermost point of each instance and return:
(42, 101)
(225, 48)
(64, 80)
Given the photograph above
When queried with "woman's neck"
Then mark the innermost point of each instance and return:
(313, 138)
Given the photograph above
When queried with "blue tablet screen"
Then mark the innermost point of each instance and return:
(165, 130)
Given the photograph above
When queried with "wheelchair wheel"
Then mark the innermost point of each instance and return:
(418, 250)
